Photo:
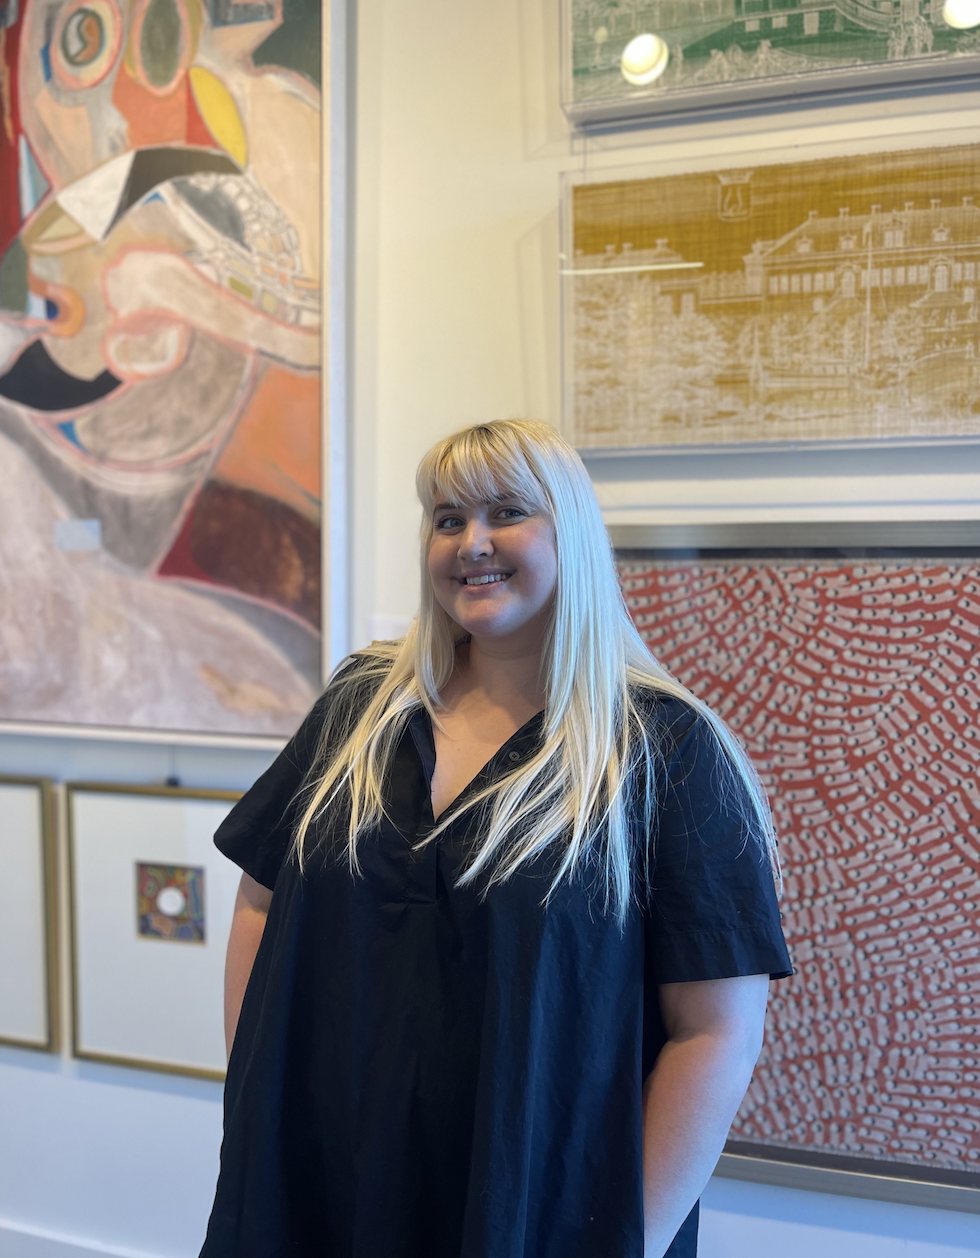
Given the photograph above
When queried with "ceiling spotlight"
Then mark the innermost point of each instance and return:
(961, 14)
(645, 58)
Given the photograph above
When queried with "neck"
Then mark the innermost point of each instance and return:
(503, 672)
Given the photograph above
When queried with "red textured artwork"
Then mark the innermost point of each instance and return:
(855, 686)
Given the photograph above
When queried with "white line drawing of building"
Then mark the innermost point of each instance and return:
(847, 325)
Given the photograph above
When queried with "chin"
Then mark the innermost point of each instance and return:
(485, 627)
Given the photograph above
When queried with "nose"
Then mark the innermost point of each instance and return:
(475, 541)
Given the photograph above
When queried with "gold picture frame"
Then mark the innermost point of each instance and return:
(33, 893)
(150, 901)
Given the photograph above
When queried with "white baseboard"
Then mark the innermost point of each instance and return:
(23, 1240)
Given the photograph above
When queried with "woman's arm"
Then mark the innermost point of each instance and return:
(714, 1034)
(247, 924)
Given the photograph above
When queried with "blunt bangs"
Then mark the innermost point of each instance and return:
(482, 464)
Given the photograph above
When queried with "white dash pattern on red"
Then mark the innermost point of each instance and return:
(855, 686)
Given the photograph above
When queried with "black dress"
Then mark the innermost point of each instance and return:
(420, 1072)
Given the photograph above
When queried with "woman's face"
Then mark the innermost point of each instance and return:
(493, 568)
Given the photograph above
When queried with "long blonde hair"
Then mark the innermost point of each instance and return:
(574, 794)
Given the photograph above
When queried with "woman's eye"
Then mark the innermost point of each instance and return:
(512, 513)
(449, 522)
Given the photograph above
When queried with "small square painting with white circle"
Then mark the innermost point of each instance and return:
(170, 902)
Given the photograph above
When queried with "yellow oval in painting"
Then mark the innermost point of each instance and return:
(219, 112)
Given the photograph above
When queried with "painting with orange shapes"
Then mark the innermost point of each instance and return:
(160, 389)
(854, 684)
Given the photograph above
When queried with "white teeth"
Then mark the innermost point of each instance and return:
(486, 580)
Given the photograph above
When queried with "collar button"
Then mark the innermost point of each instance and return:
(513, 756)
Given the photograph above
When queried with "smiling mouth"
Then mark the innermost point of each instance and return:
(489, 578)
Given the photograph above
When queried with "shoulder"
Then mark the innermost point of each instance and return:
(362, 671)
(351, 688)
(669, 720)
(354, 683)
(258, 831)
(697, 762)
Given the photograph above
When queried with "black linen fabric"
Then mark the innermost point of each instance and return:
(427, 1071)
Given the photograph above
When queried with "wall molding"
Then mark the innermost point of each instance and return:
(897, 534)
(844, 1183)
(23, 1240)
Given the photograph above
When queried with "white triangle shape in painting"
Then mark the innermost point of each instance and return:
(92, 200)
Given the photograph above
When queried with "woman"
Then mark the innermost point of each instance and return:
(507, 917)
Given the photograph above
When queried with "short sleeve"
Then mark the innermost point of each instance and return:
(712, 910)
(258, 831)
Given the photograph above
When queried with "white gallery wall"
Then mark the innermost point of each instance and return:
(460, 150)
(94, 1157)
(456, 155)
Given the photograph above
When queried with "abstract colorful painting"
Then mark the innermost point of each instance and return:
(160, 277)
(764, 47)
(855, 686)
(824, 301)
(170, 902)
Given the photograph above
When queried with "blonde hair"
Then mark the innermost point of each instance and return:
(574, 794)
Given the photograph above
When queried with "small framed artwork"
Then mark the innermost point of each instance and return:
(845, 657)
(833, 301)
(151, 907)
(28, 915)
(634, 60)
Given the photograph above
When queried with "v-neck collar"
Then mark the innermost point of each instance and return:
(425, 744)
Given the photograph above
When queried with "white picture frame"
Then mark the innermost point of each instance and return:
(143, 997)
(28, 915)
(273, 702)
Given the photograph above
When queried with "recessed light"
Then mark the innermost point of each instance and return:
(644, 59)
(961, 14)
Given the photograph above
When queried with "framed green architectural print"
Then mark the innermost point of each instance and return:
(626, 59)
